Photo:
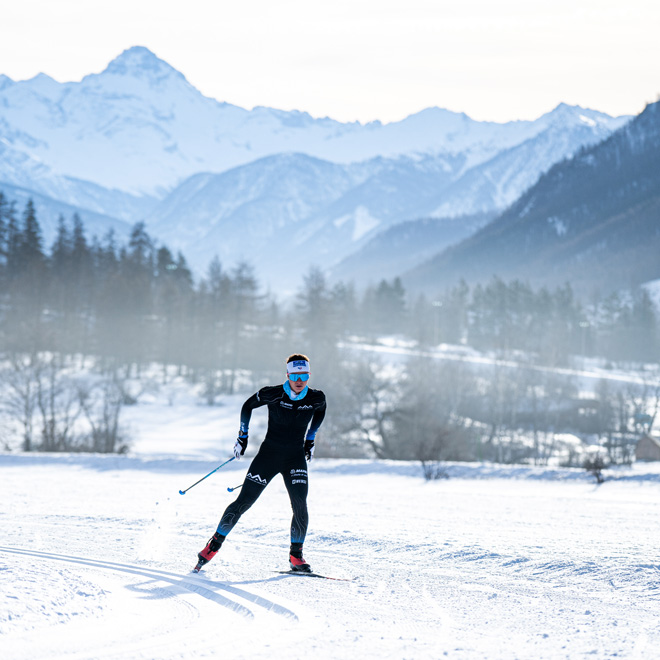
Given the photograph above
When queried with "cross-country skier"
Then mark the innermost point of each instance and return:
(295, 413)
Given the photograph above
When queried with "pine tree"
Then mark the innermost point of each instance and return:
(183, 274)
(31, 245)
(80, 252)
(4, 212)
(26, 268)
(140, 247)
(242, 310)
(12, 243)
(390, 306)
(4, 215)
(316, 317)
(164, 262)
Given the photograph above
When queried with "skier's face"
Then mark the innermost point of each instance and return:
(298, 385)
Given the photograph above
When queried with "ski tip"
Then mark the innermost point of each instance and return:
(182, 492)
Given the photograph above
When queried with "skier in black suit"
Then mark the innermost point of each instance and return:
(295, 413)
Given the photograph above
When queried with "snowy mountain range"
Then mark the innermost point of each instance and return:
(592, 220)
(138, 142)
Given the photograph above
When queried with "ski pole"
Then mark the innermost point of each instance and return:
(231, 490)
(183, 492)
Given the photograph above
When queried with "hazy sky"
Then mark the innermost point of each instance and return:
(360, 59)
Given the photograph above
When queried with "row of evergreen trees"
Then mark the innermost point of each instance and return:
(137, 303)
(549, 325)
(132, 304)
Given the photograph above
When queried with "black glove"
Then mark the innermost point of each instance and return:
(240, 445)
(309, 449)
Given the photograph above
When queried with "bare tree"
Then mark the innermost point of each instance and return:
(498, 407)
(57, 402)
(38, 392)
(362, 399)
(645, 399)
(595, 466)
(430, 421)
(101, 405)
(20, 398)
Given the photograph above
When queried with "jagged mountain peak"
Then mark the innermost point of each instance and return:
(44, 85)
(5, 81)
(436, 111)
(140, 62)
(139, 127)
(648, 121)
(591, 220)
(436, 115)
(565, 114)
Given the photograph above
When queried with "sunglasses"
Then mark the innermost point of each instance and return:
(295, 377)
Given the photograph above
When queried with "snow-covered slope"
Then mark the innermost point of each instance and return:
(139, 126)
(403, 246)
(591, 220)
(321, 209)
(497, 183)
(329, 211)
(119, 141)
(27, 172)
(48, 211)
(493, 562)
(257, 212)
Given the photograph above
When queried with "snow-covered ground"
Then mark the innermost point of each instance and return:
(588, 371)
(493, 562)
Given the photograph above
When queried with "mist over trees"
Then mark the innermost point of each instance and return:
(121, 310)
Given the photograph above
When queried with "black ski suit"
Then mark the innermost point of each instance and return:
(281, 452)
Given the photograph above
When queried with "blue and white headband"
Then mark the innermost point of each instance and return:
(297, 367)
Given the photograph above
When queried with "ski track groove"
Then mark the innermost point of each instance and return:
(177, 593)
(183, 582)
(543, 581)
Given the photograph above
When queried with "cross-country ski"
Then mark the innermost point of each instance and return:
(316, 575)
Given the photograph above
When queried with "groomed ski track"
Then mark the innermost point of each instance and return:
(96, 556)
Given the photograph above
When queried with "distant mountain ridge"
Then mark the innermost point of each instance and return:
(48, 211)
(593, 220)
(143, 114)
(25, 171)
(138, 142)
(404, 246)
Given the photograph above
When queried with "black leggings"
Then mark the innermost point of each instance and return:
(269, 461)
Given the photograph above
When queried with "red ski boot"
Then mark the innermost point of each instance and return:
(296, 561)
(209, 551)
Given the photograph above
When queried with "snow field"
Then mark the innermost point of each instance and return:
(96, 552)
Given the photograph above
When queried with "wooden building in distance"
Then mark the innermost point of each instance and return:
(648, 448)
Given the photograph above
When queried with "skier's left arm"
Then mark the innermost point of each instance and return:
(310, 438)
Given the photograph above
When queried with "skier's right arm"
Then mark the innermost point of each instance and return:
(246, 412)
